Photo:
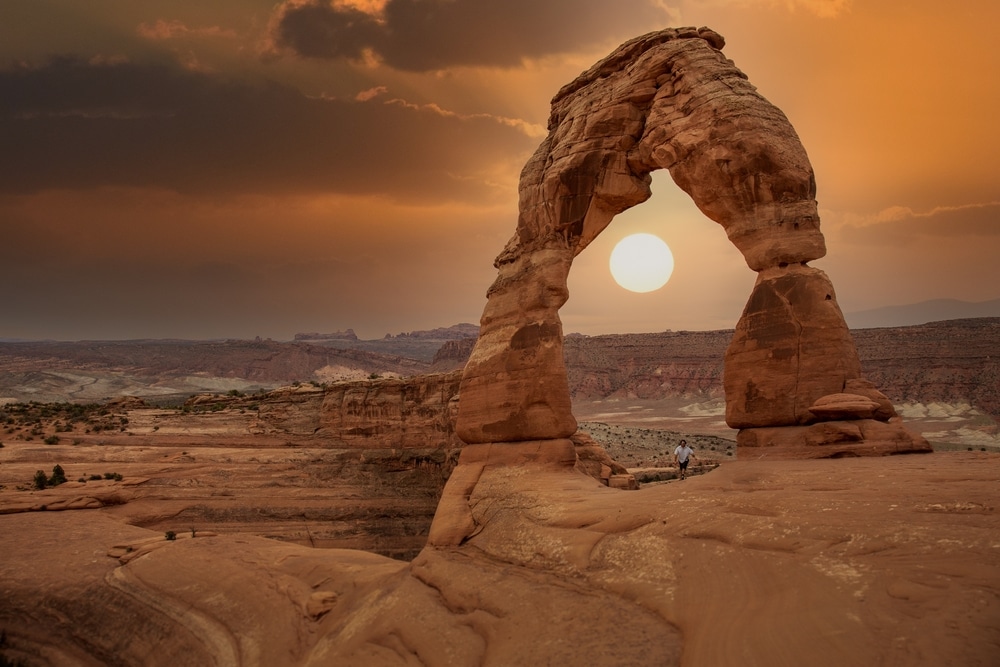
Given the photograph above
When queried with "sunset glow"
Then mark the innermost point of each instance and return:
(201, 170)
(641, 263)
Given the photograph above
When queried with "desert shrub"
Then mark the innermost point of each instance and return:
(170, 535)
(235, 392)
(95, 477)
(52, 440)
(41, 479)
(58, 476)
(82, 480)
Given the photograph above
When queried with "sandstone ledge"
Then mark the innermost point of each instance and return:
(842, 562)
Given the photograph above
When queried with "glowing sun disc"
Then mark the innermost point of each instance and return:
(642, 263)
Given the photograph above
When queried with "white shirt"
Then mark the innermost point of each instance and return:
(683, 452)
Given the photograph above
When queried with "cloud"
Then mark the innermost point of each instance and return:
(75, 124)
(119, 262)
(898, 225)
(162, 30)
(426, 35)
(371, 93)
(821, 8)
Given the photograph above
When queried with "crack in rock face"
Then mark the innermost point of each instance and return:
(666, 100)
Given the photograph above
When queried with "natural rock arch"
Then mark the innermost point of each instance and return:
(671, 100)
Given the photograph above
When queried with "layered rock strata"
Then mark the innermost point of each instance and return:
(667, 100)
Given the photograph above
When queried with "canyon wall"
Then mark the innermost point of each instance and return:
(954, 361)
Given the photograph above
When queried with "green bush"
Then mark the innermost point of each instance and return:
(52, 440)
(58, 476)
(170, 535)
(41, 480)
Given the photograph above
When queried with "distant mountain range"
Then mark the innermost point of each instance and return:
(950, 361)
(935, 310)
(421, 345)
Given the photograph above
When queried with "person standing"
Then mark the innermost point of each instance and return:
(682, 456)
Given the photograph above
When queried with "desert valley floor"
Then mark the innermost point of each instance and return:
(843, 562)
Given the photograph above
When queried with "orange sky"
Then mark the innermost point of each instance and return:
(243, 167)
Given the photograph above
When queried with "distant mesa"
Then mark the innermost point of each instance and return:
(336, 335)
(935, 310)
(454, 332)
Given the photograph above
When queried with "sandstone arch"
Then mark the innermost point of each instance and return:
(671, 100)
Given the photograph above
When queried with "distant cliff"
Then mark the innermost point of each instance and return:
(454, 332)
(396, 413)
(950, 361)
(336, 335)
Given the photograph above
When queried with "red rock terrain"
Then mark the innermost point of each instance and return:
(951, 362)
(359, 464)
(832, 562)
(890, 561)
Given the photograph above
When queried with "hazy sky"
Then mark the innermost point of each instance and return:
(238, 168)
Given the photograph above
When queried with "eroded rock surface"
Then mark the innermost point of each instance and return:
(830, 562)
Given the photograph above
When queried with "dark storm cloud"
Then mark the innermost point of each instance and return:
(422, 35)
(73, 124)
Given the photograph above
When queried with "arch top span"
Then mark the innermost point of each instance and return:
(671, 100)
(666, 100)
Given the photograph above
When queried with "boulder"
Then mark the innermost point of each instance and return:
(833, 407)
(830, 439)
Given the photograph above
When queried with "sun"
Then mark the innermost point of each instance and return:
(642, 263)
